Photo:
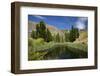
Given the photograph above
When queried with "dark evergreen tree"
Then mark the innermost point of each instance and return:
(42, 25)
(49, 36)
(38, 30)
(77, 32)
(74, 33)
(43, 30)
(71, 36)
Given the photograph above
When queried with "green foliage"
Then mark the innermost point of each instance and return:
(67, 37)
(57, 37)
(45, 45)
(42, 25)
(35, 43)
(42, 32)
(49, 36)
(38, 30)
(79, 46)
(30, 44)
(62, 39)
(54, 37)
(74, 33)
(33, 34)
(36, 55)
(39, 41)
(53, 50)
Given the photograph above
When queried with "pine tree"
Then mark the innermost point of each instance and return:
(38, 30)
(42, 30)
(77, 32)
(74, 33)
(71, 37)
(42, 25)
(49, 36)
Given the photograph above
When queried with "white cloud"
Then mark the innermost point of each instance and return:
(84, 19)
(80, 24)
(40, 17)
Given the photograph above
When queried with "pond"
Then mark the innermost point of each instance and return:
(59, 52)
(64, 52)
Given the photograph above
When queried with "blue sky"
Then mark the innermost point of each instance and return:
(61, 22)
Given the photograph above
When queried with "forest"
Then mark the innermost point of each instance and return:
(45, 44)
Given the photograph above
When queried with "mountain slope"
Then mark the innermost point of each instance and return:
(83, 38)
(52, 29)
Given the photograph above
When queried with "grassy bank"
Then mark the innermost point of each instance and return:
(54, 50)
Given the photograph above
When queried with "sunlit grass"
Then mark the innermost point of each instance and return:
(39, 49)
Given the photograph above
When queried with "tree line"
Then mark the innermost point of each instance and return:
(43, 32)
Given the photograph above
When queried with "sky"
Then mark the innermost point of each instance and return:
(61, 22)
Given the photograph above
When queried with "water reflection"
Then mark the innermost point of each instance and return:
(64, 52)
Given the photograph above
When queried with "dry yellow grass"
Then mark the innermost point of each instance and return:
(83, 38)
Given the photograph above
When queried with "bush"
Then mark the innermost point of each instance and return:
(33, 34)
(39, 41)
(30, 42)
(34, 43)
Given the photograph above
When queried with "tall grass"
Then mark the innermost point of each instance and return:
(40, 50)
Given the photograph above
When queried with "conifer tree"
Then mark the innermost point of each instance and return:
(49, 36)
(43, 30)
(77, 32)
(38, 30)
(74, 33)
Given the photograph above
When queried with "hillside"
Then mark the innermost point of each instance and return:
(32, 26)
(48, 42)
(83, 38)
(52, 29)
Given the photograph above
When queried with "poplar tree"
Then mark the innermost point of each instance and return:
(66, 36)
(57, 37)
(33, 34)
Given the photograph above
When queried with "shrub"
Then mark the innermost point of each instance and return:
(39, 41)
(30, 42)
